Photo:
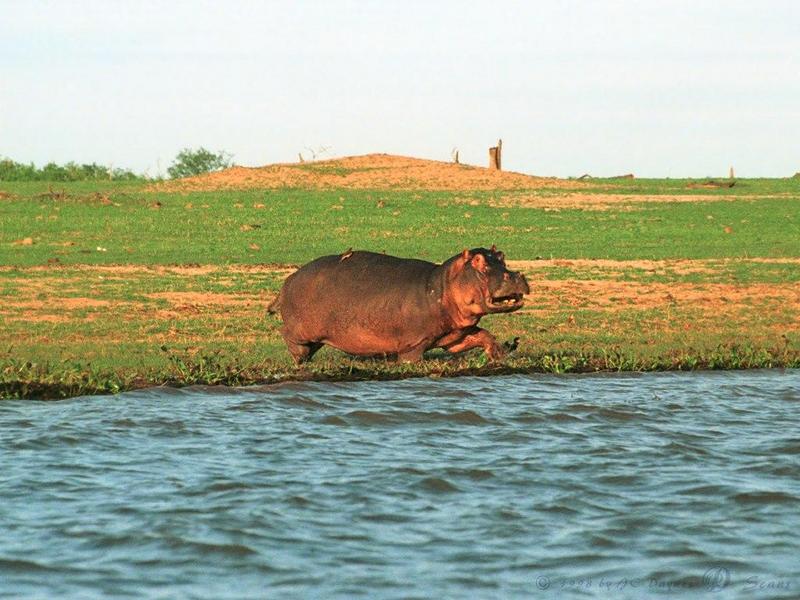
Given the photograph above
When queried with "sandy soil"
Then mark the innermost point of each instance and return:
(182, 270)
(619, 295)
(371, 171)
(607, 201)
(608, 294)
(677, 266)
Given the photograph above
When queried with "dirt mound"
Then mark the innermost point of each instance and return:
(371, 171)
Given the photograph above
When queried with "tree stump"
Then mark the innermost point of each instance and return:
(495, 156)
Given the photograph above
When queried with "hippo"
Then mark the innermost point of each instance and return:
(369, 304)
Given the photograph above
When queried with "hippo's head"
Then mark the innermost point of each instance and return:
(481, 284)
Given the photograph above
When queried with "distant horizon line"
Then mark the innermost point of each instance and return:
(586, 175)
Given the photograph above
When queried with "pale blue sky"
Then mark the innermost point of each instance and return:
(656, 88)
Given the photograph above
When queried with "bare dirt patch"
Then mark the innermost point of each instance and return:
(608, 294)
(623, 295)
(54, 309)
(678, 266)
(203, 298)
(612, 295)
(60, 303)
(600, 201)
(182, 270)
(371, 171)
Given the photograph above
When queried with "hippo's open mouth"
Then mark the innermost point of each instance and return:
(507, 302)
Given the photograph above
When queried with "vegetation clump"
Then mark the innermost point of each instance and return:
(190, 162)
(187, 163)
(14, 171)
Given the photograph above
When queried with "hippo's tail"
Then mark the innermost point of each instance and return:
(275, 306)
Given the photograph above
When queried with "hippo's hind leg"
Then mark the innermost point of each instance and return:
(303, 352)
(412, 354)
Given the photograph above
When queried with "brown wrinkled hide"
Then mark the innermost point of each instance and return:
(370, 304)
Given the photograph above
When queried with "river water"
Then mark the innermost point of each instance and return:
(623, 486)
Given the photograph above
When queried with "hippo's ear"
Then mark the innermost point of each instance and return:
(460, 262)
(479, 263)
(498, 254)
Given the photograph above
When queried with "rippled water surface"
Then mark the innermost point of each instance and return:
(631, 486)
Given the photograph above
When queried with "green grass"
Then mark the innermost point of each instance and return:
(131, 334)
(122, 224)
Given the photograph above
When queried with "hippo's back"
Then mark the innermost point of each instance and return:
(356, 276)
(366, 267)
(334, 296)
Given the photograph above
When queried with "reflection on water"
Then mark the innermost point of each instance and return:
(630, 486)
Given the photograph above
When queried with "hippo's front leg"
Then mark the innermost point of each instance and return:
(475, 337)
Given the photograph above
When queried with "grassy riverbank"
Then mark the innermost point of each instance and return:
(108, 286)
